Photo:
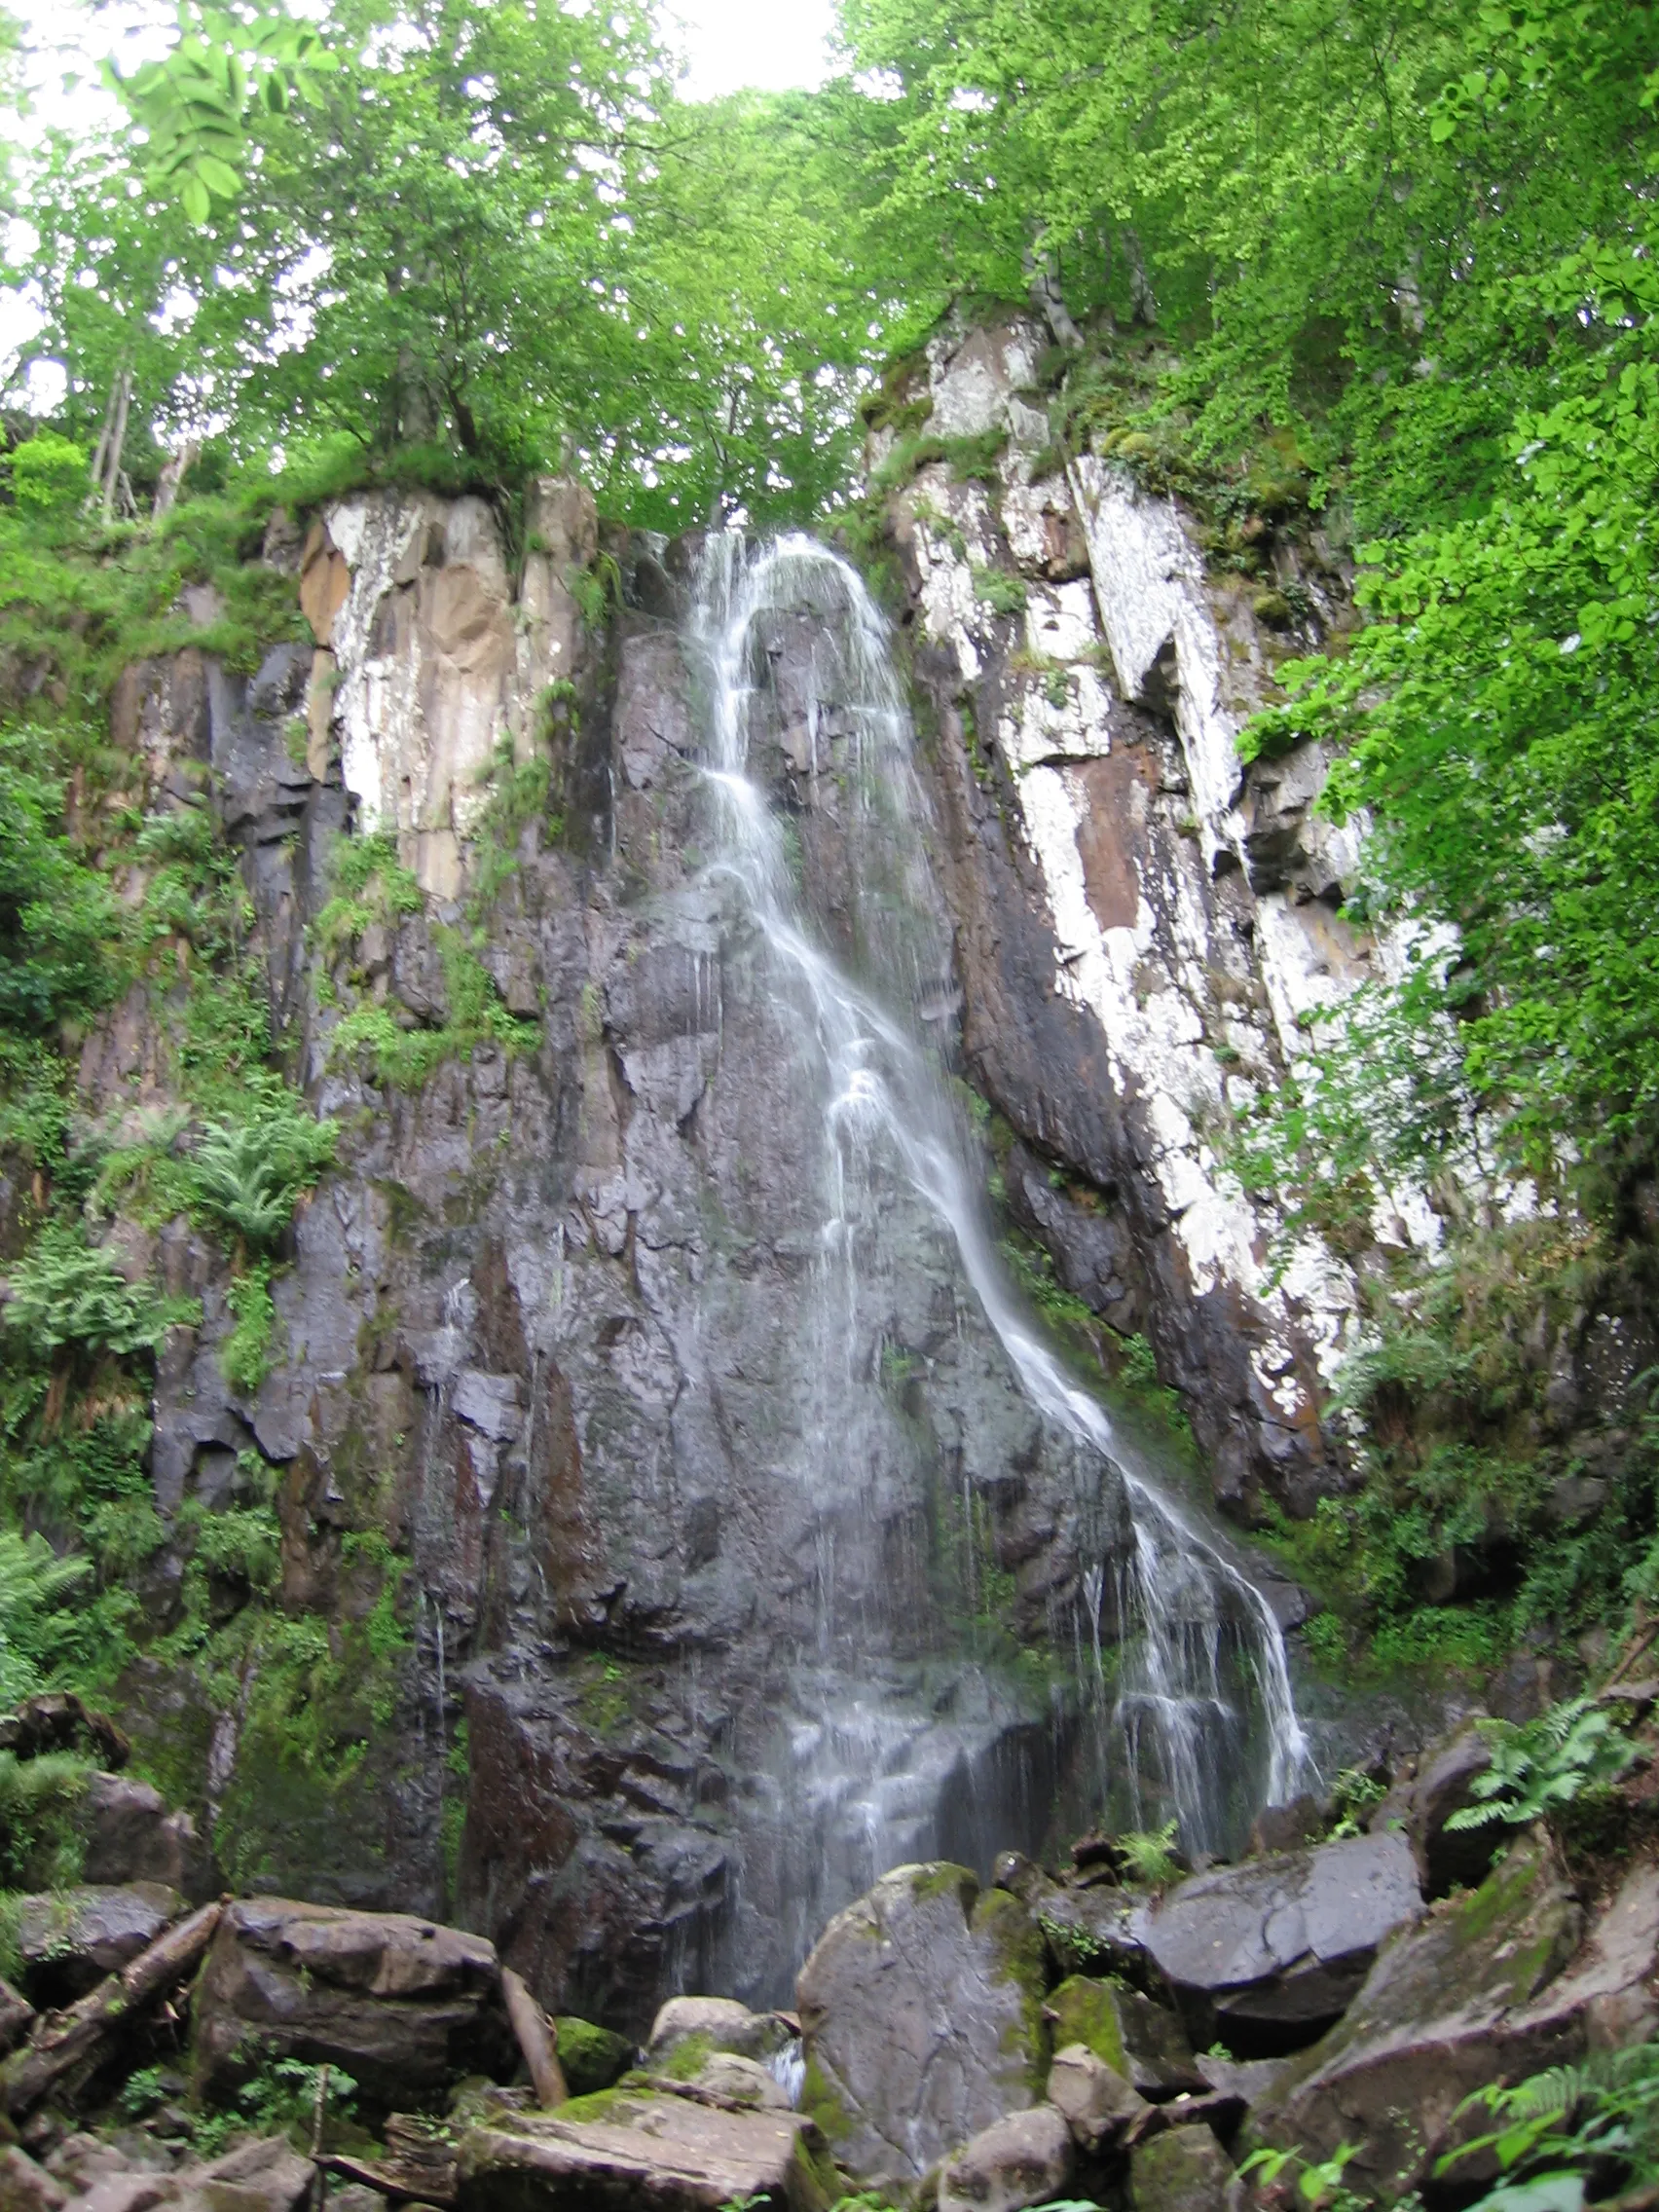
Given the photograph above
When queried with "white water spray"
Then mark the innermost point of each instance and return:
(1185, 1608)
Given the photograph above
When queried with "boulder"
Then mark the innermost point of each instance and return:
(1273, 1950)
(402, 2004)
(129, 1836)
(704, 2024)
(669, 2150)
(25, 2187)
(921, 2010)
(1094, 2100)
(1182, 2170)
(1143, 2041)
(1421, 1803)
(592, 2059)
(69, 1939)
(1025, 2157)
(15, 2015)
(1483, 1991)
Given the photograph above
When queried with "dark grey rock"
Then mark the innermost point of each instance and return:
(1277, 1946)
(1184, 2169)
(1490, 1987)
(917, 2006)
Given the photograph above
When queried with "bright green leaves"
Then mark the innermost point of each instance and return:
(64, 1291)
(193, 106)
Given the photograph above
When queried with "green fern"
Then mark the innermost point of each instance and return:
(1544, 1763)
(66, 1291)
(1149, 1854)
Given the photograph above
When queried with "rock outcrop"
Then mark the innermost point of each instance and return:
(1491, 1986)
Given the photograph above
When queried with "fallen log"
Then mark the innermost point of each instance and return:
(64, 2043)
(537, 2039)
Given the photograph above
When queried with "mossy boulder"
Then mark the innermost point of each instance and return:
(593, 2058)
(922, 2011)
(1143, 2041)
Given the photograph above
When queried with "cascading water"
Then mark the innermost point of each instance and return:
(1200, 1720)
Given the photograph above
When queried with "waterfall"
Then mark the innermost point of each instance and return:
(1201, 1689)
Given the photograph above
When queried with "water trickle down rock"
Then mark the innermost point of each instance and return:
(691, 1396)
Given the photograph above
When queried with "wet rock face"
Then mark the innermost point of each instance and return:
(555, 1326)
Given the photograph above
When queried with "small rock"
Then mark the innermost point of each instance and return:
(1183, 2170)
(1250, 2080)
(131, 1836)
(1097, 2102)
(714, 2023)
(267, 2176)
(1288, 1827)
(1025, 2157)
(745, 2080)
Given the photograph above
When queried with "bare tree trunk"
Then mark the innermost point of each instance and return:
(1049, 301)
(64, 2042)
(174, 469)
(536, 2038)
(1143, 304)
(122, 400)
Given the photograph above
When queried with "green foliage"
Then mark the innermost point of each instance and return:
(597, 590)
(279, 2097)
(1150, 1857)
(33, 1581)
(402, 1059)
(1538, 1765)
(67, 1292)
(57, 913)
(1320, 2184)
(40, 1841)
(47, 473)
(249, 1177)
(1568, 2133)
(247, 1355)
(1001, 589)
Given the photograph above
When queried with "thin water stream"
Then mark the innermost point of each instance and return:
(1201, 1716)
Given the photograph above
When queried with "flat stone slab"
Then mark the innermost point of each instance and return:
(651, 2150)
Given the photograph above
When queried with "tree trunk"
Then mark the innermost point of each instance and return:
(536, 2038)
(65, 2043)
(1049, 301)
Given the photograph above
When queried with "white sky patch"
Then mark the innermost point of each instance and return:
(733, 44)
